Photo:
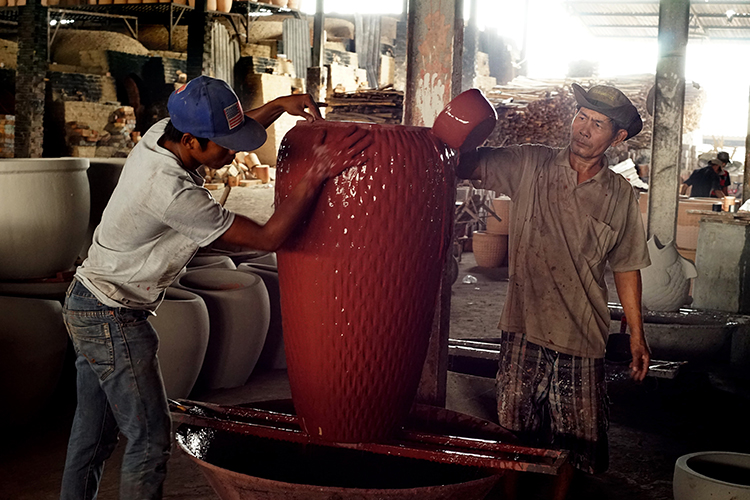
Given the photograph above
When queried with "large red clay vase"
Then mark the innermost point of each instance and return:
(360, 280)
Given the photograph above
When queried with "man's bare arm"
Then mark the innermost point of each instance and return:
(629, 290)
(468, 164)
(296, 105)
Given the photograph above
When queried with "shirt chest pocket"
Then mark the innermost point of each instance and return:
(597, 239)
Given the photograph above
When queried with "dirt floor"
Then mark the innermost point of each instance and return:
(652, 423)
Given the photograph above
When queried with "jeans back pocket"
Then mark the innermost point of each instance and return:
(94, 342)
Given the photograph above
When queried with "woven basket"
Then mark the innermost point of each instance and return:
(490, 249)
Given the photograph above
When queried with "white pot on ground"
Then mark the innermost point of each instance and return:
(33, 342)
(239, 314)
(44, 213)
(714, 475)
(183, 327)
(272, 357)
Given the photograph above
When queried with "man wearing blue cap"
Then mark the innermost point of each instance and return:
(572, 216)
(157, 218)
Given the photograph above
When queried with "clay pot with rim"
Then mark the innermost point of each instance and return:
(490, 249)
(210, 4)
(44, 213)
(33, 342)
(466, 121)
(502, 206)
(183, 327)
(239, 314)
(715, 475)
(360, 278)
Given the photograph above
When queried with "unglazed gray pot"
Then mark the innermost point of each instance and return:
(183, 327)
(33, 342)
(205, 261)
(239, 314)
(712, 475)
(103, 175)
(44, 213)
(273, 356)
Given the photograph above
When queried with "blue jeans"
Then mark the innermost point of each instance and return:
(119, 389)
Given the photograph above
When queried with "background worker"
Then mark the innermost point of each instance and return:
(711, 181)
(157, 218)
(572, 215)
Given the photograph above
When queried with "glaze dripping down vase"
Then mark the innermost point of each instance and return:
(360, 279)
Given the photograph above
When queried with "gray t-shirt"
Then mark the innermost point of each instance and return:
(155, 221)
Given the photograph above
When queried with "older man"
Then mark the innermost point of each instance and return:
(572, 215)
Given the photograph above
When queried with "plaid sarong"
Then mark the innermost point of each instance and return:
(554, 400)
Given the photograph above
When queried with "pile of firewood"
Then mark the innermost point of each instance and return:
(374, 106)
(532, 111)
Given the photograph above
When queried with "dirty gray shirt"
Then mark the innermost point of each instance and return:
(562, 234)
(157, 218)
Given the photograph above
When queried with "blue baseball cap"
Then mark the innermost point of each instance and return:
(208, 108)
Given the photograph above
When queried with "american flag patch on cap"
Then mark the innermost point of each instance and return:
(233, 113)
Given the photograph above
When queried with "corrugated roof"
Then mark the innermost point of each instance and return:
(640, 18)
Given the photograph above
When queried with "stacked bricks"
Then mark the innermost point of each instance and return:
(7, 135)
(31, 80)
(88, 135)
(121, 124)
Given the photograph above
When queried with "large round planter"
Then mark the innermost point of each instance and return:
(359, 280)
(490, 249)
(103, 175)
(183, 327)
(33, 341)
(714, 475)
(48, 289)
(272, 357)
(44, 212)
(239, 314)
